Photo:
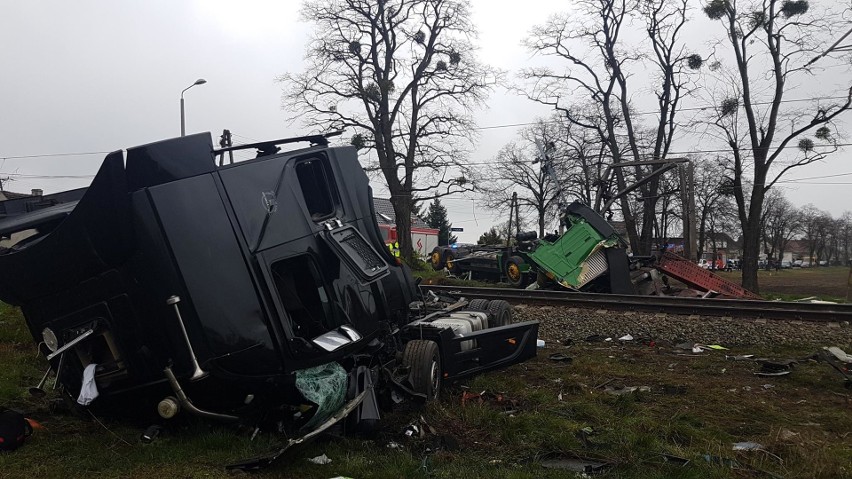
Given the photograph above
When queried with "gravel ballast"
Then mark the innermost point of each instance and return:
(559, 323)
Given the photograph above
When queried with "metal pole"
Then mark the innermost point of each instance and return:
(182, 118)
(200, 81)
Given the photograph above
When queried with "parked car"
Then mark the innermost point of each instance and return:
(797, 263)
(806, 264)
(786, 265)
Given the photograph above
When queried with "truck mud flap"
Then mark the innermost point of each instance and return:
(494, 348)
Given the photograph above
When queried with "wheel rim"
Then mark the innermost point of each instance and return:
(436, 258)
(514, 272)
(435, 377)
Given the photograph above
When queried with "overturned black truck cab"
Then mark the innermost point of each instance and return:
(238, 291)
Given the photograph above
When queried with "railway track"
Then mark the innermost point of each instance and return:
(770, 310)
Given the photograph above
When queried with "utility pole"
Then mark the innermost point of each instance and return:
(687, 206)
(693, 233)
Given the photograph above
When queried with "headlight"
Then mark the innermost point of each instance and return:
(49, 338)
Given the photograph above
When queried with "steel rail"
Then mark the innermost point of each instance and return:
(782, 310)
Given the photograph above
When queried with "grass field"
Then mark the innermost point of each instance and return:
(827, 283)
(696, 406)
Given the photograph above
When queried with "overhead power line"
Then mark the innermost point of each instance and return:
(47, 155)
(642, 113)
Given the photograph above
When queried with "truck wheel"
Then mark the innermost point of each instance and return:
(436, 259)
(478, 305)
(424, 362)
(450, 258)
(500, 313)
(515, 273)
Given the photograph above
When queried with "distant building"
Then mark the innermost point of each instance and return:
(423, 238)
(796, 249)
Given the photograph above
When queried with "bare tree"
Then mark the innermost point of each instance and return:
(845, 238)
(771, 42)
(580, 159)
(598, 65)
(520, 169)
(781, 222)
(403, 76)
(712, 197)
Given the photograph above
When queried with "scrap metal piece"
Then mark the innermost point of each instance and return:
(261, 462)
(693, 275)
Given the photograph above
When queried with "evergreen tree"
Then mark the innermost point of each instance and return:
(437, 218)
(490, 237)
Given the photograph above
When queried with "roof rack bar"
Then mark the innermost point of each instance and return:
(270, 146)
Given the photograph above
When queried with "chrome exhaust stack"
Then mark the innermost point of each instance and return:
(186, 403)
(198, 373)
(37, 391)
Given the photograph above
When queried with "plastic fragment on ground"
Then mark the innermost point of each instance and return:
(839, 354)
(321, 460)
(740, 357)
(626, 337)
(89, 390)
(747, 446)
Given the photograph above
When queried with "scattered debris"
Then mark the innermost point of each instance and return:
(413, 430)
(699, 348)
(722, 461)
(539, 343)
(620, 391)
(740, 357)
(321, 460)
(509, 406)
(747, 446)
(394, 445)
(626, 337)
(576, 465)
(151, 433)
(787, 435)
(776, 368)
(840, 361)
(559, 357)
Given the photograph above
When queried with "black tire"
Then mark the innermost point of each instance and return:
(514, 272)
(436, 259)
(499, 313)
(423, 361)
(478, 305)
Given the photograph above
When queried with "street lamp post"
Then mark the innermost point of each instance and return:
(200, 81)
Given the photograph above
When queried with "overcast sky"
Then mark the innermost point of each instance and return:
(95, 76)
